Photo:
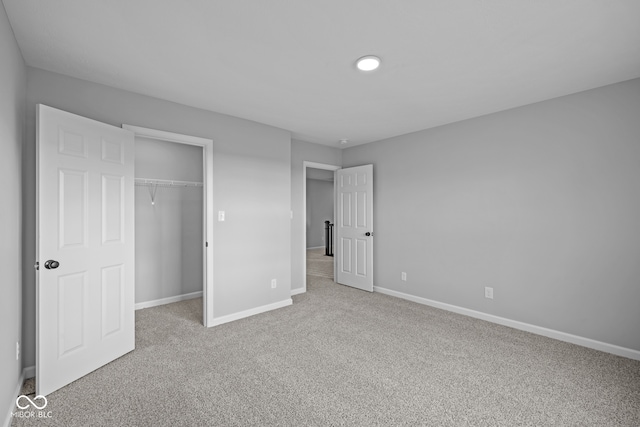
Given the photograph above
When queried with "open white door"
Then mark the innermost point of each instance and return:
(85, 247)
(354, 232)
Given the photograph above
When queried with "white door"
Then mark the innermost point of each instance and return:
(354, 232)
(85, 247)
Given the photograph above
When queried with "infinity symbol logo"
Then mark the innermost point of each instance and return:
(34, 404)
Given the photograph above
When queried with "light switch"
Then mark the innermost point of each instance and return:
(220, 215)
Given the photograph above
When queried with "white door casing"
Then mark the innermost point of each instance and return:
(208, 319)
(354, 231)
(85, 222)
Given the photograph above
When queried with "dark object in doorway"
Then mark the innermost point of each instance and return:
(328, 238)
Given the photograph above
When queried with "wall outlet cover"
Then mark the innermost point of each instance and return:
(488, 292)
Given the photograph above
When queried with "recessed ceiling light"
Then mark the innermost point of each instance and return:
(344, 141)
(368, 63)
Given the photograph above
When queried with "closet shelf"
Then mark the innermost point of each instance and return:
(148, 182)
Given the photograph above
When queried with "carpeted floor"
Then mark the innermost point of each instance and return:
(318, 264)
(339, 356)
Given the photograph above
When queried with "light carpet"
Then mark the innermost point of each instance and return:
(339, 356)
(318, 264)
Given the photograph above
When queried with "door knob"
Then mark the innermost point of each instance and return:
(51, 264)
(367, 234)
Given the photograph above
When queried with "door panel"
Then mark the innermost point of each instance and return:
(72, 209)
(71, 314)
(361, 209)
(113, 209)
(113, 292)
(346, 256)
(345, 209)
(85, 305)
(361, 257)
(113, 151)
(355, 220)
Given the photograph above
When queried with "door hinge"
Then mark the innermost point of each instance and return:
(206, 244)
(37, 265)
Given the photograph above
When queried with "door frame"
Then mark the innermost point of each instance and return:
(208, 214)
(323, 166)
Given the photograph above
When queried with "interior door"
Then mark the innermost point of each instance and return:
(354, 233)
(85, 246)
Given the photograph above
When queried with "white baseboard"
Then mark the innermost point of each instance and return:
(539, 330)
(168, 300)
(241, 315)
(29, 372)
(297, 291)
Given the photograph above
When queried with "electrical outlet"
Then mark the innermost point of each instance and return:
(488, 292)
(273, 283)
(403, 276)
(17, 350)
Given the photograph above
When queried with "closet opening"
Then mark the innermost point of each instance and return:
(173, 218)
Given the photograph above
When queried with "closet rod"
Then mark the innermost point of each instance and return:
(166, 183)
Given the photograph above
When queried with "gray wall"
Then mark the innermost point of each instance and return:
(300, 152)
(169, 232)
(12, 101)
(540, 202)
(252, 183)
(319, 210)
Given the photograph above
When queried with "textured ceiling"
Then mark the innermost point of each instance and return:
(290, 64)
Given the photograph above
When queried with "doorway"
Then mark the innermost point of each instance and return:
(197, 191)
(319, 222)
(353, 232)
(317, 177)
(168, 222)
